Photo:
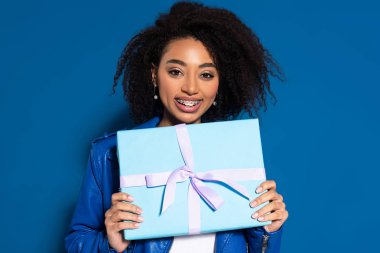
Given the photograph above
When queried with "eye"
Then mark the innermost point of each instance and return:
(175, 72)
(207, 75)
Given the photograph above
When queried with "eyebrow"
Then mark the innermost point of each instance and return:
(204, 65)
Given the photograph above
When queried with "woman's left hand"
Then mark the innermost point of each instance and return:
(274, 211)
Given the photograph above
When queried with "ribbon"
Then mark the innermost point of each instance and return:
(197, 188)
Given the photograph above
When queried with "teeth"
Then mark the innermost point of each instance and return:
(188, 103)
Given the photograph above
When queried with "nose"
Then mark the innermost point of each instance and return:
(190, 87)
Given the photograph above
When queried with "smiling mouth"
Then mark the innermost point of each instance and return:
(188, 103)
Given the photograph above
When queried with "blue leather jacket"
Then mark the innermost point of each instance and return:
(87, 230)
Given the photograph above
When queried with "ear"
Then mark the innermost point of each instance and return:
(153, 71)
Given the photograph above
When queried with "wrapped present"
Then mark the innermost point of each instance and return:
(191, 179)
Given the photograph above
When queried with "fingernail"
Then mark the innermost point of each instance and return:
(261, 218)
(136, 225)
(259, 189)
(140, 218)
(253, 204)
(139, 210)
(255, 215)
(130, 198)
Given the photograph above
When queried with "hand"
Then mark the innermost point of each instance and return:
(120, 211)
(274, 211)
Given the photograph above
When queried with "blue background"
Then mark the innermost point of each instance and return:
(320, 140)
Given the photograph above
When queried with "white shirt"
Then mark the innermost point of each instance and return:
(204, 243)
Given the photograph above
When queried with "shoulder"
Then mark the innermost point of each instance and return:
(106, 145)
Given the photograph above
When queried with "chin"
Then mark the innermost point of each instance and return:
(188, 120)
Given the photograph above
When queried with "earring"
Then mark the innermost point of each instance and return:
(215, 103)
(155, 97)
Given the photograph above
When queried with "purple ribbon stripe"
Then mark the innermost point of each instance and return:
(197, 188)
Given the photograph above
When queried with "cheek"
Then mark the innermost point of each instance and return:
(166, 86)
(212, 89)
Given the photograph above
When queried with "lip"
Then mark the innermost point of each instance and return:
(188, 109)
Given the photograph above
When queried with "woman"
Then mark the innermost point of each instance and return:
(196, 64)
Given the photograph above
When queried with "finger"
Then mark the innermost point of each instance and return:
(123, 207)
(267, 196)
(274, 226)
(121, 196)
(275, 216)
(125, 216)
(124, 225)
(126, 207)
(108, 214)
(266, 185)
(273, 206)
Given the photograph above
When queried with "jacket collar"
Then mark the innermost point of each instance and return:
(149, 124)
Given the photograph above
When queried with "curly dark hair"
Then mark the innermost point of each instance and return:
(243, 64)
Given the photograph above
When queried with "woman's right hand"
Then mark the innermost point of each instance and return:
(121, 210)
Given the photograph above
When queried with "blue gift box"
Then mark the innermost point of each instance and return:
(221, 161)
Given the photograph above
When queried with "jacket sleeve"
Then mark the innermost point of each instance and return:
(87, 230)
(260, 241)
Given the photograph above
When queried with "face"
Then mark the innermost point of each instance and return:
(187, 81)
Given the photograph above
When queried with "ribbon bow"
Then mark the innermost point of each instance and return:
(187, 171)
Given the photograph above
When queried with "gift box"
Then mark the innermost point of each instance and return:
(191, 179)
